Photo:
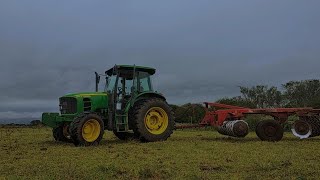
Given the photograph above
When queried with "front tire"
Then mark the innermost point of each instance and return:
(61, 134)
(152, 120)
(87, 130)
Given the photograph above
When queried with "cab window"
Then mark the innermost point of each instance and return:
(144, 82)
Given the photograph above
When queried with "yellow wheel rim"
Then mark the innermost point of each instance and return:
(91, 130)
(156, 120)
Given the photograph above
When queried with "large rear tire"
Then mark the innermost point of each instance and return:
(152, 120)
(87, 130)
(60, 133)
(269, 130)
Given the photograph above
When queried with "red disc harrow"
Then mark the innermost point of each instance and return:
(230, 120)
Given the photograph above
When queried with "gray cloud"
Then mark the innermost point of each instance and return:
(203, 50)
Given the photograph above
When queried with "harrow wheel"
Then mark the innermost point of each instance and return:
(269, 130)
(87, 130)
(315, 125)
(306, 126)
(302, 129)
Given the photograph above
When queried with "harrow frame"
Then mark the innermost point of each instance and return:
(217, 114)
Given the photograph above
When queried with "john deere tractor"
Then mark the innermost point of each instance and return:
(128, 106)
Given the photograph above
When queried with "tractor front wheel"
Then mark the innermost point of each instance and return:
(152, 120)
(269, 130)
(60, 133)
(87, 130)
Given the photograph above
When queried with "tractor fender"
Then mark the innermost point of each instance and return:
(146, 95)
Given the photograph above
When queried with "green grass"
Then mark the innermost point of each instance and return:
(188, 154)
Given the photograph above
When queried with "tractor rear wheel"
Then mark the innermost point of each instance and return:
(269, 130)
(60, 133)
(152, 120)
(87, 130)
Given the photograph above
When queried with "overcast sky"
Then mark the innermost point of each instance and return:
(202, 49)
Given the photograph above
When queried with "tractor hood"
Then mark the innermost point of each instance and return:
(83, 102)
(86, 94)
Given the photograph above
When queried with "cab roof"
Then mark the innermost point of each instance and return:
(148, 70)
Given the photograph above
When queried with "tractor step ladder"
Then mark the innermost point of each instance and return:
(122, 122)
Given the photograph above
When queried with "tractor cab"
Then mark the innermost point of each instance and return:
(131, 78)
(125, 84)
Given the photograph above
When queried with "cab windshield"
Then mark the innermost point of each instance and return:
(142, 82)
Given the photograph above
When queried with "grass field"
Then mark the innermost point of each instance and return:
(188, 154)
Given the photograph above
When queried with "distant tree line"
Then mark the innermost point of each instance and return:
(292, 94)
(188, 113)
(34, 123)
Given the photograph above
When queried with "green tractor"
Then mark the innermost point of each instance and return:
(128, 106)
